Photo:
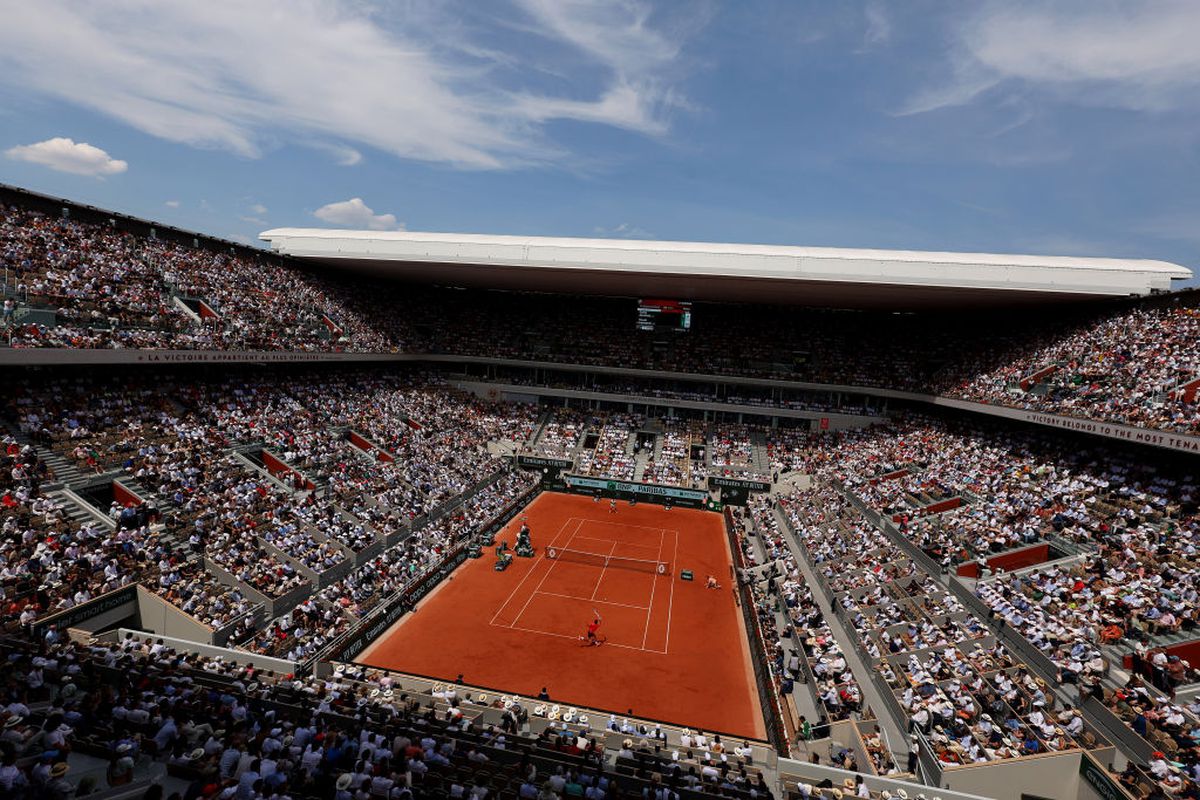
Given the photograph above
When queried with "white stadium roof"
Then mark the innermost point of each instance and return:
(815, 276)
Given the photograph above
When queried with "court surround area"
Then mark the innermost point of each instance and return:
(673, 650)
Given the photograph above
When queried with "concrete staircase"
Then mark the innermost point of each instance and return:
(897, 736)
(63, 470)
(539, 427)
(641, 464)
(759, 459)
(78, 510)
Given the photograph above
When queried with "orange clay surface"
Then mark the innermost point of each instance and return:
(675, 651)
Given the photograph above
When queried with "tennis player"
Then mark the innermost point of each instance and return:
(593, 630)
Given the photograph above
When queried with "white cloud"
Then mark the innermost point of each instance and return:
(629, 107)
(354, 213)
(879, 24)
(617, 35)
(171, 204)
(624, 231)
(347, 156)
(259, 208)
(1140, 56)
(67, 155)
(339, 74)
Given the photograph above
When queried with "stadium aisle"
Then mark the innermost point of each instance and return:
(896, 738)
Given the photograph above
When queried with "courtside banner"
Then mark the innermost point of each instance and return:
(715, 482)
(643, 489)
(85, 611)
(392, 609)
(537, 462)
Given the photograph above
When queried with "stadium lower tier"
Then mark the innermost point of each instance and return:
(926, 601)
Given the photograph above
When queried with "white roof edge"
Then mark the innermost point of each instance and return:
(279, 236)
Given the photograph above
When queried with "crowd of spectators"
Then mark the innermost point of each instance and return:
(179, 444)
(1126, 362)
(1137, 525)
(1171, 728)
(969, 698)
(562, 434)
(112, 288)
(225, 729)
(800, 632)
(695, 390)
(1132, 582)
(614, 455)
(671, 462)
(668, 451)
(1133, 367)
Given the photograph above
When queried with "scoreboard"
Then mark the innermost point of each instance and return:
(664, 315)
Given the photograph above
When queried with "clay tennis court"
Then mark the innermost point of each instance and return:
(674, 650)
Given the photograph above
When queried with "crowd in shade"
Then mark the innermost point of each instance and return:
(103, 287)
(224, 729)
(694, 389)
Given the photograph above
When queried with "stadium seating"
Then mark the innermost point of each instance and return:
(994, 592)
(1132, 364)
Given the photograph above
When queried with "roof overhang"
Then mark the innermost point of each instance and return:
(828, 277)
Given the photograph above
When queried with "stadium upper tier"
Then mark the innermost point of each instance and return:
(746, 273)
(89, 281)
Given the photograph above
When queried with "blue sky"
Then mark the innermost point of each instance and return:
(1042, 127)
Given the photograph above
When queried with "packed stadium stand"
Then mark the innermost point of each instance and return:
(963, 542)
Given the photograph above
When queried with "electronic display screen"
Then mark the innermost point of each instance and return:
(664, 315)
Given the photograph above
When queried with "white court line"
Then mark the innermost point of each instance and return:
(609, 539)
(603, 570)
(538, 588)
(606, 539)
(671, 602)
(602, 602)
(576, 638)
(517, 588)
(628, 525)
(653, 586)
(612, 551)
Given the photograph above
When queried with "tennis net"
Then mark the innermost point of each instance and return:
(605, 560)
